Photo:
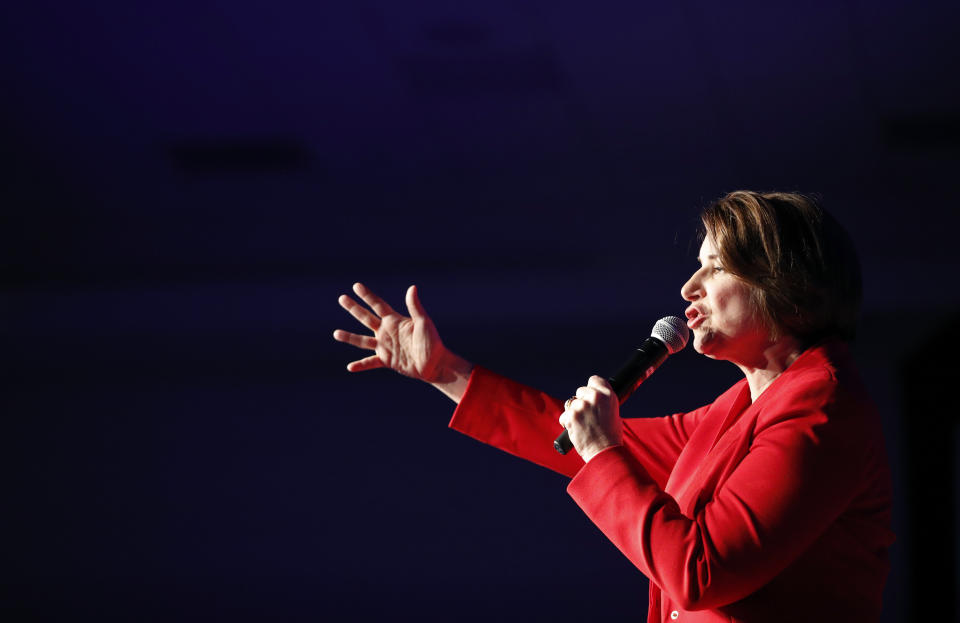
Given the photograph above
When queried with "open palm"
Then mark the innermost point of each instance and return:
(408, 344)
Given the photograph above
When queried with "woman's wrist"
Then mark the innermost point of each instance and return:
(454, 375)
(594, 449)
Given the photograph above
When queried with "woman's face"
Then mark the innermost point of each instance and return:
(724, 322)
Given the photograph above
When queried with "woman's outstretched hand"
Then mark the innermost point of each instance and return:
(409, 345)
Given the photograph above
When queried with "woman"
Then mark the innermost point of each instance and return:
(770, 504)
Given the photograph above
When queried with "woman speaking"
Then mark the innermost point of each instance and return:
(773, 502)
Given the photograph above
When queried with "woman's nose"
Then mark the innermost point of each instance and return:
(691, 289)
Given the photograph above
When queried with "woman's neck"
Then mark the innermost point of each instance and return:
(766, 366)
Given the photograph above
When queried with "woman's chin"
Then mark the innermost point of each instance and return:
(704, 343)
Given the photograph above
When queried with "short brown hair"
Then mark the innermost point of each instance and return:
(800, 263)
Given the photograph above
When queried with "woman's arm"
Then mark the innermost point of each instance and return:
(511, 416)
(804, 465)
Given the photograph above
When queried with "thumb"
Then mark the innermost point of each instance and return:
(414, 306)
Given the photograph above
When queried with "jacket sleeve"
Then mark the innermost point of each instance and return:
(656, 442)
(803, 467)
(523, 421)
(514, 417)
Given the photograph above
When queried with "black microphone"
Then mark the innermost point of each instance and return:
(668, 336)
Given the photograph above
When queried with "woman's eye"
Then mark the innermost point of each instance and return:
(718, 269)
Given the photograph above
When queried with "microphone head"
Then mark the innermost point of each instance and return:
(673, 332)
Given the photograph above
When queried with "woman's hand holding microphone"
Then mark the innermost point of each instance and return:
(592, 418)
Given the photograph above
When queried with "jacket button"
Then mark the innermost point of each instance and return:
(674, 615)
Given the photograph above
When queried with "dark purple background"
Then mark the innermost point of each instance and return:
(188, 186)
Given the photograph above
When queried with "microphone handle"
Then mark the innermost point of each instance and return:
(638, 368)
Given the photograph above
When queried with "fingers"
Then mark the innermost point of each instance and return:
(600, 384)
(587, 395)
(359, 312)
(367, 363)
(360, 341)
(376, 303)
(414, 306)
(575, 406)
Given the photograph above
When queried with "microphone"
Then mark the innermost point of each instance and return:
(668, 336)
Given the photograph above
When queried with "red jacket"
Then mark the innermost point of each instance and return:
(777, 510)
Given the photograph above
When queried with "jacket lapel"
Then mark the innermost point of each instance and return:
(685, 480)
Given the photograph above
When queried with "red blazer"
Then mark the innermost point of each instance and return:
(777, 510)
